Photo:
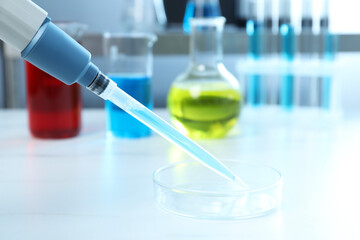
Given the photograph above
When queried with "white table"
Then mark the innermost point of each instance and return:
(93, 188)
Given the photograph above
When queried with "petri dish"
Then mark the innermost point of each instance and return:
(192, 190)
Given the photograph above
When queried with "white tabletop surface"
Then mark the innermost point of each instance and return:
(90, 187)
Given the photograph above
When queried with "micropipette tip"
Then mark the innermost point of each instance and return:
(240, 182)
(229, 175)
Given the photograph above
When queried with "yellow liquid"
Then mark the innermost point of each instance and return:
(207, 110)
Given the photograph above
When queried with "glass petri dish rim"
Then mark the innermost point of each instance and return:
(217, 194)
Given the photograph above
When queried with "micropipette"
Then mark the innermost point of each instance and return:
(130, 105)
(26, 26)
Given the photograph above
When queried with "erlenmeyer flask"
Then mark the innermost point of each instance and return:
(205, 101)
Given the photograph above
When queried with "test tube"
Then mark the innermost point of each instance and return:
(330, 39)
(289, 27)
(271, 26)
(330, 43)
(255, 32)
(307, 86)
(200, 9)
(241, 13)
(307, 25)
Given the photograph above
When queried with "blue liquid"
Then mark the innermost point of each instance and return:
(118, 122)
(287, 92)
(288, 41)
(326, 90)
(208, 10)
(189, 13)
(288, 46)
(254, 92)
(330, 46)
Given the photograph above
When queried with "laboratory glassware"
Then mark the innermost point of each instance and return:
(271, 33)
(306, 87)
(142, 16)
(187, 189)
(29, 30)
(255, 91)
(308, 24)
(129, 64)
(13, 73)
(205, 101)
(200, 9)
(330, 45)
(288, 25)
(2, 75)
(241, 13)
(54, 108)
(271, 26)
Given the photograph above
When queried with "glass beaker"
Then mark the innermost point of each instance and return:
(200, 9)
(129, 63)
(54, 108)
(142, 15)
(205, 100)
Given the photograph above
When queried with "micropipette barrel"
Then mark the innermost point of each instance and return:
(144, 115)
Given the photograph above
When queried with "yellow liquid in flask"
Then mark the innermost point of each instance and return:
(205, 109)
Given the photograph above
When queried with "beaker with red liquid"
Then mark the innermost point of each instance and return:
(54, 108)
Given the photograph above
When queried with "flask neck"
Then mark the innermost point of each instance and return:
(206, 43)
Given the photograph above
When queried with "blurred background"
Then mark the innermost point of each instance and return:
(338, 18)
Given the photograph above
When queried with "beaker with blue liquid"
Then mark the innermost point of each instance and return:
(129, 65)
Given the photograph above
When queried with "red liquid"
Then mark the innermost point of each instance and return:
(54, 108)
